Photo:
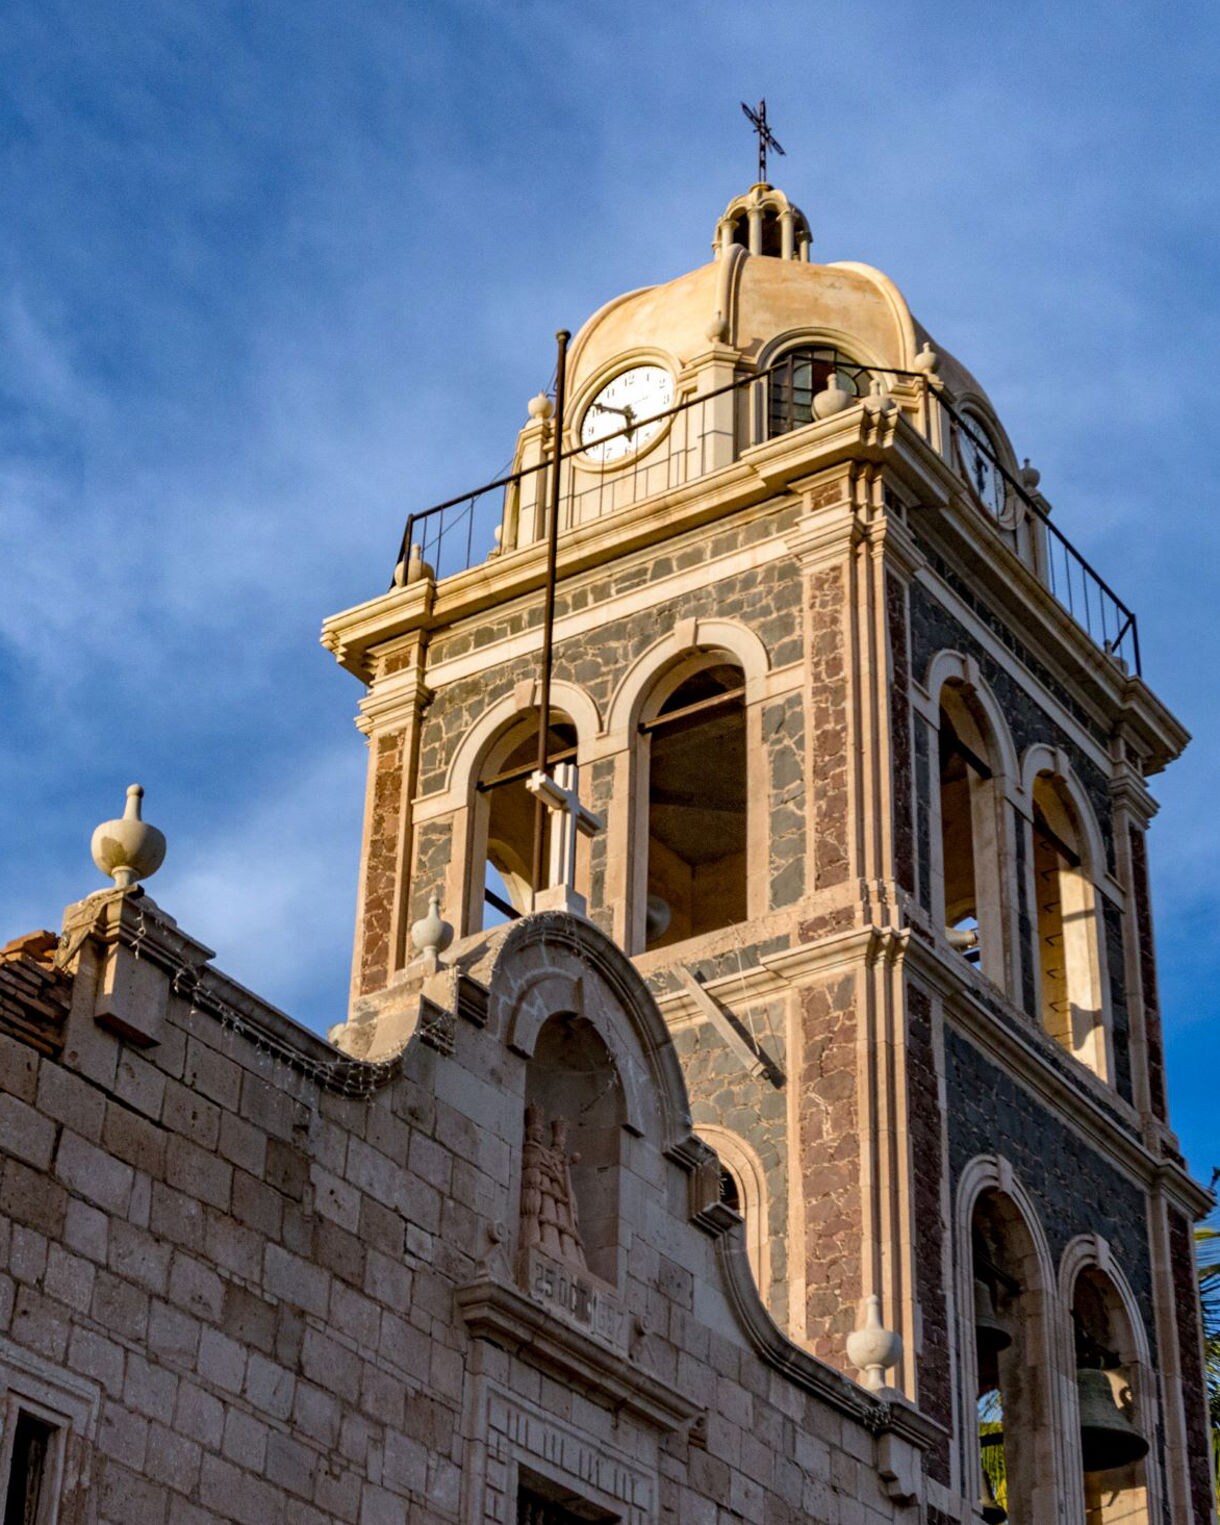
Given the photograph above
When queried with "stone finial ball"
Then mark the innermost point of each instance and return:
(1030, 476)
(541, 406)
(128, 849)
(927, 360)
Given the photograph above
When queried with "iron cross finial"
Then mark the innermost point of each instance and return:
(766, 138)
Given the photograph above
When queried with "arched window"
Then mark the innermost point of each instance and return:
(743, 1187)
(1068, 948)
(798, 376)
(970, 834)
(694, 755)
(1010, 1367)
(574, 1126)
(503, 845)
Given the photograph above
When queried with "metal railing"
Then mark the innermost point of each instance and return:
(710, 430)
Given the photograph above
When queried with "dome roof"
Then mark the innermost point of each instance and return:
(760, 303)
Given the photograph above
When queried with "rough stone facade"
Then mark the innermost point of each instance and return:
(830, 1164)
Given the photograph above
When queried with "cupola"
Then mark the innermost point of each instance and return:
(764, 221)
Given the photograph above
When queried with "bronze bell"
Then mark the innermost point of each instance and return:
(990, 1330)
(1108, 1439)
(989, 1507)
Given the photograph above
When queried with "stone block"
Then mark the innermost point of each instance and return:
(98, 1356)
(24, 1132)
(19, 1066)
(171, 1459)
(221, 1361)
(69, 1278)
(195, 1287)
(87, 1231)
(245, 1440)
(290, 1277)
(140, 1085)
(200, 1415)
(149, 1389)
(242, 1144)
(269, 1387)
(198, 1173)
(212, 1075)
(140, 1257)
(184, 1111)
(93, 1173)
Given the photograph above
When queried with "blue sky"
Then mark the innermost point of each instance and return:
(273, 274)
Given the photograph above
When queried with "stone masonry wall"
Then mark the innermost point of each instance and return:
(725, 1095)
(1075, 1189)
(827, 664)
(900, 734)
(382, 866)
(784, 739)
(1194, 1387)
(926, 1127)
(256, 1274)
(934, 629)
(830, 1164)
(1148, 986)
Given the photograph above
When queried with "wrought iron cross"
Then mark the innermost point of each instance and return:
(766, 138)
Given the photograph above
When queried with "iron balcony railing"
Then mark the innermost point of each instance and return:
(710, 430)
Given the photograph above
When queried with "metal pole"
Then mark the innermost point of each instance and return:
(548, 607)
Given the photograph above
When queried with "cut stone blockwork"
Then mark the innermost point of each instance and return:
(249, 1279)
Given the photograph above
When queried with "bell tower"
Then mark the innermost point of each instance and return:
(862, 746)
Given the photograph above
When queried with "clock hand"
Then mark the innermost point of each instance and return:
(627, 414)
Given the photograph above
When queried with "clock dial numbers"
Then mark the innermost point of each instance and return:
(610, 429)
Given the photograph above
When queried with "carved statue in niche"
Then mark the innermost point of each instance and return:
(548, 1206)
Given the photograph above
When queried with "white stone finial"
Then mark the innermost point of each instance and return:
(1030, 476)
(873, 1349)
(832, 399)
(927, 360)
(431, 934)
(541, 407)
(128, 849)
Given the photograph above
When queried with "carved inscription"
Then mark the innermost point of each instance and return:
(577, 1299)
(562, 1454)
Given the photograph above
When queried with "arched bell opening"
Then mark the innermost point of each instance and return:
(502, 859)
(1112, 1391)
(571, 1160)
(1068, 944)
(693, 746)
(1010, 1367)
(971, 879)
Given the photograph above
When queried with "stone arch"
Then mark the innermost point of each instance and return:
(469, 753)
(1034, 1450)
(949, 666)
(1066, 884)
(742, 1160)
(549, 963)
(970, 843)
(1134, 1493)
(1041, 757)
(696, 637)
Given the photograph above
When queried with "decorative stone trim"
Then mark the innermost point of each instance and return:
(502, 1313)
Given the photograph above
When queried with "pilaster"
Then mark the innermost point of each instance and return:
(390, 716)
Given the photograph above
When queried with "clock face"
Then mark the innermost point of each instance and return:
(640, 393)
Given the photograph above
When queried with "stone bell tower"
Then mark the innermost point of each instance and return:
(869, 743)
